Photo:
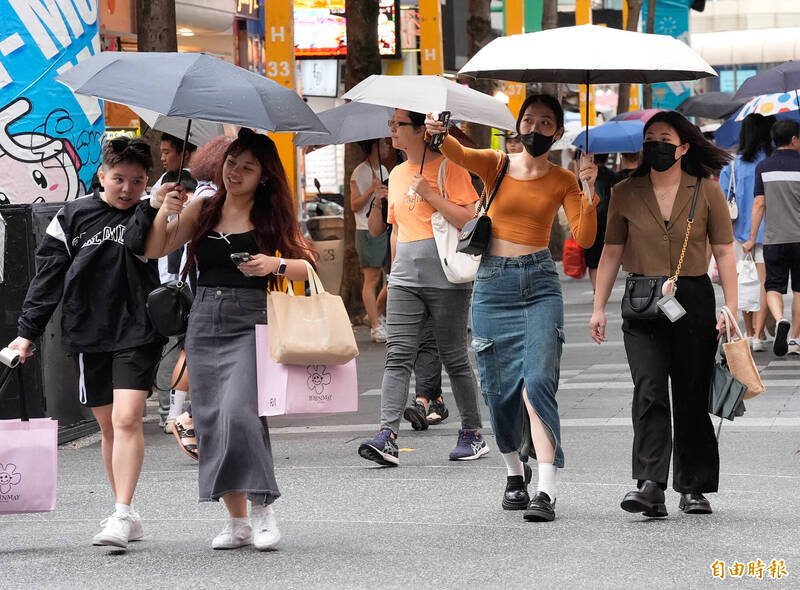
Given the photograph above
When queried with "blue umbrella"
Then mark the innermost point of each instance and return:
(727, 136)
(612, 137)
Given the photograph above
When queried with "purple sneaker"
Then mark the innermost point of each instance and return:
(382, 449)
(470, 446)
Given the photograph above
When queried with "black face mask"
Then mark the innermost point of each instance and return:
(660, 155)
(535, 143)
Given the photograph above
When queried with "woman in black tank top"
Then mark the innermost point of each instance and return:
(254, 213)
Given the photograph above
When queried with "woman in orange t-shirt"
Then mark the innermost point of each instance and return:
(517, 309)
(418, 288)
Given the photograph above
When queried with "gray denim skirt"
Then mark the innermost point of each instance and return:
(233, 441)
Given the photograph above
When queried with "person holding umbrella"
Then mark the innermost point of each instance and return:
(253, 212)
(517, 309)
(648, 231)
(418, 288)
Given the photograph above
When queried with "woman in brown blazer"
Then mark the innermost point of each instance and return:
(647, 223)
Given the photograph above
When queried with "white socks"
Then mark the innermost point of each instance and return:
(123, 509)
(547, 479)
(240, 522)
(177, 399)
(513, 464)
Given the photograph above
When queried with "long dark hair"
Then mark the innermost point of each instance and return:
(703, 159)
(274, 213)
(754, 137)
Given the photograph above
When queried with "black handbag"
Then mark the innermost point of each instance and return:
(476, 233)
(640, 299)
(168, 307)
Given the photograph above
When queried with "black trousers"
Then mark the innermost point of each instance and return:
(659, 352)
(428, 366)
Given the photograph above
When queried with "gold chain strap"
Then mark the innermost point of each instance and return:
(674, 278)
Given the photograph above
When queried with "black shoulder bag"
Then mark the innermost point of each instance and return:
(640, 299)
(168, 306)
(476, 233)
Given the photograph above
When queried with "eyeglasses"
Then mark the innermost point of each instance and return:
(392, 124)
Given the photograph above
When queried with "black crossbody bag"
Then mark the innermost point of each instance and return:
(476, 233)
(640, 299)
(169, 305)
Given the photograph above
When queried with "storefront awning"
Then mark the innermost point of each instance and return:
(755, 46)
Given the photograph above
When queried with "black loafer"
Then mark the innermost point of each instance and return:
(647, 500)
(540, 509)
(516, 497)
(695, 504)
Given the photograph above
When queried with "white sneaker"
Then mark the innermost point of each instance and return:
(137, 530)
(382, 321)
(117, 530)
(233, 536)
(757, 345)
(378, 334)
(265, 528)
(794, 347)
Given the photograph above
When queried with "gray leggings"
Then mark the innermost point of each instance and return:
(406, 313)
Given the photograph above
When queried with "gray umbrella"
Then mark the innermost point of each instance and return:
(354, 121)
(711, 105)
(194, 86)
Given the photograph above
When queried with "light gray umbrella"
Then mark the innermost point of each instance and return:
(354, 121)
(201, 131)
(194, 86)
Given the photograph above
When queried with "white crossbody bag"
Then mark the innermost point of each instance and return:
(457, 266)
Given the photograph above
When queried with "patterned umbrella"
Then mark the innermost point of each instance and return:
(769, 104)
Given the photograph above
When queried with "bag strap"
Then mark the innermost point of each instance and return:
(314, 282)
(732, 182)
(6, 379)
(689, 223)
(484, 206)
(179, 343)
(731, 321)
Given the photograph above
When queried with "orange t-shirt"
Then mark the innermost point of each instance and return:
(523, 210)
(412, 215)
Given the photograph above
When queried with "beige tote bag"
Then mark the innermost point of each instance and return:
(740, 358)
(311, 330)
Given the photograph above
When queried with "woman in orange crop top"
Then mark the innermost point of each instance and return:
(517, 309)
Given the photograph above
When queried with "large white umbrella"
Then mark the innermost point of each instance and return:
(588, 54)
(200, 134)
(433, 94)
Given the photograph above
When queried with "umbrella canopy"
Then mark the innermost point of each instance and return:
(612, 137)
(769, 104)
(711, 105)
(727, 136)
(784, 78)
(201, 133)
(194, 86)
(354, 121)
(642, 115)
(425, 94)
(587, 54)
(568, 138)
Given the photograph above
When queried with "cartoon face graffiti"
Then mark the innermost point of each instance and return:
(35, 165)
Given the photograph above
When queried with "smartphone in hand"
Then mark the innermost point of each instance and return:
(438, 139)
(240, 257)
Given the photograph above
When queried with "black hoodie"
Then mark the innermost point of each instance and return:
(83, 261)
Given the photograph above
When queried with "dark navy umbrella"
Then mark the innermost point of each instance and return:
(727, 136)
(612, 137)
(784, 78)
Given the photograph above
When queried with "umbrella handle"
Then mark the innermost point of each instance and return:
(587, 189)
(424, 152)
(183, 152)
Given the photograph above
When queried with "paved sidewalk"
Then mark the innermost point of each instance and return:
(432, 523)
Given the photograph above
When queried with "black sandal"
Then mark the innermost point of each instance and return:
(184, 435)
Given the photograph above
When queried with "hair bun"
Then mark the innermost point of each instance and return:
(248, 136)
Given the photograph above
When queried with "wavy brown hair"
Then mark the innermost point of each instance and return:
(274, 212)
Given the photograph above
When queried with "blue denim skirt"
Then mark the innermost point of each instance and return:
(518, 334)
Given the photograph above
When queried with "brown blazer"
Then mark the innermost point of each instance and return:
(650, 247)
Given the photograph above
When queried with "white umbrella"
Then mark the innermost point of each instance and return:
(354, 121)
(200, 134)
(588, 54)
(426, 94)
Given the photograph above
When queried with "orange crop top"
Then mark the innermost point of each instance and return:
(523, 210)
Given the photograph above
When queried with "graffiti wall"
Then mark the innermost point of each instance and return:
(49, 138)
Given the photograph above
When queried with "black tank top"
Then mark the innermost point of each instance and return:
(216, 269)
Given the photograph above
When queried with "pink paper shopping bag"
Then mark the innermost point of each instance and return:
(28, 464)
(302, 389)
